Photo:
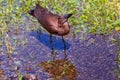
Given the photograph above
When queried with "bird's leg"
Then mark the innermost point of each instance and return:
(53, 55)
(64, 47)
(40, 32)
(51, 42)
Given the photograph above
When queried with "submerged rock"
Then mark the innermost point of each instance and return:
(29, 77)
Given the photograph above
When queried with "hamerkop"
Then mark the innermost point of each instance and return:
(53, 23)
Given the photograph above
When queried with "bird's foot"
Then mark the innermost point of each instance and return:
(54, 53)
(65, 54)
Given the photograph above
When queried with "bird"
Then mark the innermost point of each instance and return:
(53, 23)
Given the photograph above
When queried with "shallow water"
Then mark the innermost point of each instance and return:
(90, 59)
(87, 59)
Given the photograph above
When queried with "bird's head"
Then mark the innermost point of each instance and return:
(63, 19)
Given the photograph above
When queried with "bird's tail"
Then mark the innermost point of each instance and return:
(31, 12)
(38, 6)
(37, 11)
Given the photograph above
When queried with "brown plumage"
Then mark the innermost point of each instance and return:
(53, 23)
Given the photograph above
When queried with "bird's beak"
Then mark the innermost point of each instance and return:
(66, 16)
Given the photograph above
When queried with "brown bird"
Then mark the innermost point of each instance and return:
(53, 23)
